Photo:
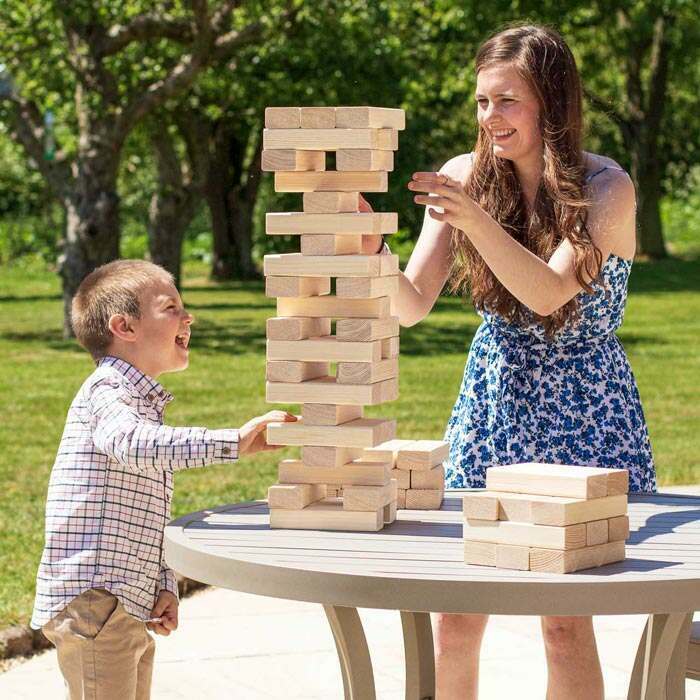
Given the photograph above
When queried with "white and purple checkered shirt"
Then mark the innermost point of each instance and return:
(110, 489)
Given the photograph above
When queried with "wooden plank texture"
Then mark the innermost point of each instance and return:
(291, 223)
(355, 473)
(327, 390)
(329, 414)
(422, 454)
(370, 117)
(333, 307)
(324, 349)
(331, 139)
(296, 264)
(363, 160)
(297, 328)
(289, 160)
(332, 181)
(361, 432)
(527, 534)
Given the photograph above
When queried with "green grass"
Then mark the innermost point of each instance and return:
(224, 386)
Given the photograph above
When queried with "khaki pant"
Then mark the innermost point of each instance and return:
(103, 652)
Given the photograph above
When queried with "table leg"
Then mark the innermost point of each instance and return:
(419, 653)
(353, 653)
(659, 668)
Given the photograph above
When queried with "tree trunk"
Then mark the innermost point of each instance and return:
(650, 237)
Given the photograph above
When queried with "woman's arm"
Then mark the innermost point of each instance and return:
(541, 286)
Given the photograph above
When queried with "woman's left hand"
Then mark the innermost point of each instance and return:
(458, 208)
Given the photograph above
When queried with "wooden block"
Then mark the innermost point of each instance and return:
(618, 481)
(424, 499)
(324, 349)
(367, 372)
(331, 139)
(480, 553)
(294, 371)
(390, 512)
(295, 496)
(329, 414)
(322, 456)
(333, 181)
(368, 497)
(423, 454)
(367, 287)
(618, 528)
(327, 516)
(327, 390)
(361, 432)
(318, 117)
(596, 532)
(367, 328)
(525, 534)
(402, 478)
(297, 265)
(510, 556)
(356, 472)
(480, 506)
(333, 307)
(370, 118)
(292, 222)
(549, 480)
(432, 479)
(297, 328)
(363, 160)
(331, 202)
(328, 244)
(564, 562)
(386, 451)
(288, 160)
(334, 491)
(298, 286)
(282, 117)
(390, 347)
(401, 498)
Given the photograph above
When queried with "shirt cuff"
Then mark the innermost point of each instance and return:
(225, 444)
(168, 582)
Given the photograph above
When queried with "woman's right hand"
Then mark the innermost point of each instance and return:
(371, 242)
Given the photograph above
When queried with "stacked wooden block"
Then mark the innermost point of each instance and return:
(417, 467)
(331, 280)
(547, 517)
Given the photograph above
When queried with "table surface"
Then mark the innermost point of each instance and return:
(417, 563)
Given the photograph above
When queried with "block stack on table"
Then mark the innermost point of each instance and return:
(330, 280)
(547, 517)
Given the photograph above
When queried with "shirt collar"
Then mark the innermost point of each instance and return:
(148, 388)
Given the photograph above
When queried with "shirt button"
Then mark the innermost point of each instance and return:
(150, 397)
(226, 450)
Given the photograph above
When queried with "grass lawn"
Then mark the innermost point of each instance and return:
(224, 386)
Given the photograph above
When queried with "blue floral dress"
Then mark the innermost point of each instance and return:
(570, 400)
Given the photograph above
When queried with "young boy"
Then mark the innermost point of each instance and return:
(102, 580)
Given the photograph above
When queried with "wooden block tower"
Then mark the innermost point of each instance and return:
(331, 281)
(547, 517)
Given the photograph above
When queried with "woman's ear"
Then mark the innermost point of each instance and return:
(122, 326)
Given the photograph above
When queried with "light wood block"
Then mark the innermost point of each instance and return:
(298, 286)
(480, 506)
(367, 372)
(564, 562)
(354, 473)
(370, 498)
(327, 390)
(329, 414)
(525, 534)
(334, 491)
(294, 496)
(431, 479)
(289, 160)
(510, 556)
(294, 371)
(390, 347)
(324, 349)
(423, 454)
(402, 478)
(331, 202)
(362, 432)
(366, 328)
(322, 456)
(386, 451)
(480, 553)
(297, 265)
(331, 139)
(282, 117)
(618, 528)
(401, 499)
(596, 532)
(618, 481)
(291, 223)
(370, 118)
(297, 328)
(318, 118)
(333, 181)
(367, 287)
(390, 512)
(328, 244)
(549, 479)
(327, 516)
(333, 307)
(424, 499)
(364, 160)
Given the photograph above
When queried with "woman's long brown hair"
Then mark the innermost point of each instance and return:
(560, 208)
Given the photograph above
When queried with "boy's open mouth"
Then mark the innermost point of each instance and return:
(183, 340)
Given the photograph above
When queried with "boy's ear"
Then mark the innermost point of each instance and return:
(122, 326)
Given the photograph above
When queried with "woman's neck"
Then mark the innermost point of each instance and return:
(529, 171)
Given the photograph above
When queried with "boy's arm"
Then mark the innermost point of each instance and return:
(168, 582)
(121, 433)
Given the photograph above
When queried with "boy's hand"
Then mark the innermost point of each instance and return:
(371, 242)
(166, 609)
(251, 436)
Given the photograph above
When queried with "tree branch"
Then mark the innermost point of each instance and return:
(143, 28)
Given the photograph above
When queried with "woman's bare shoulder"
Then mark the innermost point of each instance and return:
(458, 168)
(595, 162)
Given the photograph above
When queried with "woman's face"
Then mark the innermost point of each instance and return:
(508, 112)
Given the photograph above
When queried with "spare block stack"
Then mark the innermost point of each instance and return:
(547, 517)
(331, 280)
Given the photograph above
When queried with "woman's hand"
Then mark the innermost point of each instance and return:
(457, 207)
(371, 242)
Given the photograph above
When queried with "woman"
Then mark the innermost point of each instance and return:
(543, 236)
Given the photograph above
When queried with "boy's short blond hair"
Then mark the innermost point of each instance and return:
(111, 289)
